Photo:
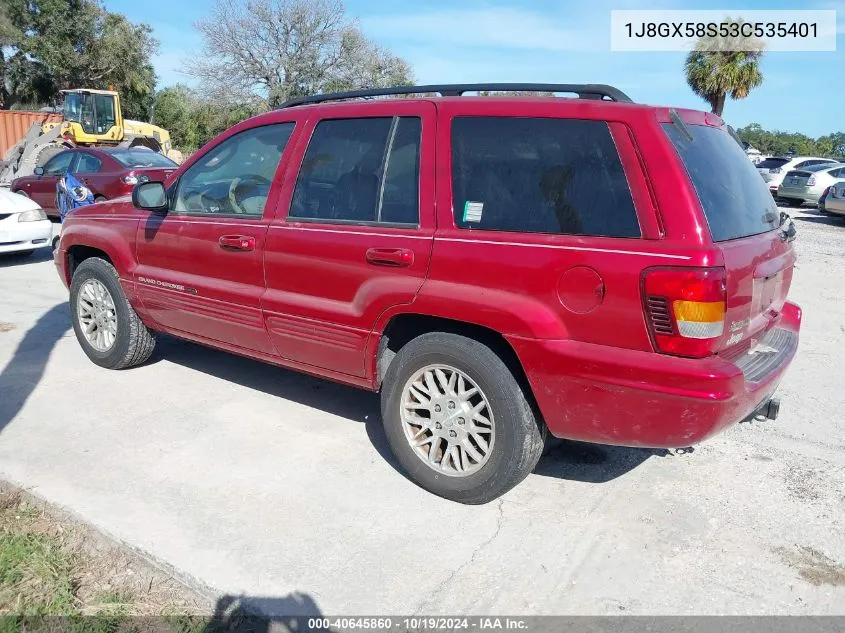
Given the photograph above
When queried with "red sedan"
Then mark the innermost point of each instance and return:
(107, 172)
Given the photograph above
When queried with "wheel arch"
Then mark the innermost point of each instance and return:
(402, 328)
(78, 253)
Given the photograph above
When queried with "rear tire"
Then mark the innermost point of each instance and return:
(133, 341)
(513, 445)
(100, 198)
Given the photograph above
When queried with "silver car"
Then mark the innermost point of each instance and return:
(834, 202)
(808, 184)
(775, 168)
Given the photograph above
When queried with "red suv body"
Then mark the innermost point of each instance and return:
(623, 263)
(108, 172)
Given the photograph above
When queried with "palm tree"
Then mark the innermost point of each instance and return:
(714, 71)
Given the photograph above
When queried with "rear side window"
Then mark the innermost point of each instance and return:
(735, 200)
(819, 167)
(361, 170)
(538, 175)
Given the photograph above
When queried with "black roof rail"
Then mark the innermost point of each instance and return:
(584, 91)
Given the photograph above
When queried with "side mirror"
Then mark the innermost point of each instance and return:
(151, 196)
(39, 171)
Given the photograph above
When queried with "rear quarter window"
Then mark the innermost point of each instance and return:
(735, 200)
(535, 175)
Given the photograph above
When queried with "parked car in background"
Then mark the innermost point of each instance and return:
(498, 268)
(834, 202)
(806, 185)
(24, 226)
(822, 199)
(775, 168)
(108, 172)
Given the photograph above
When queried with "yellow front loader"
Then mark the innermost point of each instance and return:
(90, 118)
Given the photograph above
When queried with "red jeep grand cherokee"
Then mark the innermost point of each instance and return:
(495, 266)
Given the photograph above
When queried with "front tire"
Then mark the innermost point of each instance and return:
(108, 329)
(457, 419)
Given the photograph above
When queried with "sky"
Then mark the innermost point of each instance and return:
(550, 41)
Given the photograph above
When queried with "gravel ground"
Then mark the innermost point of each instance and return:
(261, 483)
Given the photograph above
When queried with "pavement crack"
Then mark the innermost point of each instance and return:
(432, 597)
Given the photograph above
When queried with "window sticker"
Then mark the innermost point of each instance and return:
(472, 211)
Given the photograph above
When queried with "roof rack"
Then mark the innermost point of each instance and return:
(584, 91)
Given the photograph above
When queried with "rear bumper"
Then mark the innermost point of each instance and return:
(835, 205)
(807, 194)
(613, 396)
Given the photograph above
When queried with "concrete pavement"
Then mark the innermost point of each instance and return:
(256, 481)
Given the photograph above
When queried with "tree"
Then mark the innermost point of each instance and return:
(720, 67)
(779, 142)
(174, 110)
(61, 44)
(260, 53)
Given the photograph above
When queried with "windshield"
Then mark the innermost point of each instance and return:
(142, 158)
(735, 200)
(772, 162)
(72, 107)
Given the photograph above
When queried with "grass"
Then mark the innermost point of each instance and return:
(51, 566)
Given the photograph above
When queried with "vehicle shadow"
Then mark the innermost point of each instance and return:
(345, 402)
(242, 614)
(24, 371)
(7, 260)
(577, 461)
(593, 463)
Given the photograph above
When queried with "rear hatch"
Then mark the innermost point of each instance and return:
(144, 162)
(154, 173)
(796, 178)
(769, 168)
(748, 228)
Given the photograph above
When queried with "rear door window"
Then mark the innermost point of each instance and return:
(540, 175)
(735, 200)
(361, 170)
(87, 164)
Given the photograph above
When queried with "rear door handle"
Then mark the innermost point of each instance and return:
(237, 242)
(401, 257)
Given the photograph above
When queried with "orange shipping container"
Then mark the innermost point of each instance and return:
(14, 125)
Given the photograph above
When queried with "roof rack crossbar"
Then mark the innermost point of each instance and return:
(584, 91)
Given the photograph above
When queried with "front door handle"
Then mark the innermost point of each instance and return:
(401, 257)
(237, 242)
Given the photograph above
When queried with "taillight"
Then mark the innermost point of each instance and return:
(685, 309)
(811, 181)
(131, 179)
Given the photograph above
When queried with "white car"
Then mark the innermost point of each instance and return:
(775, 168)
(807, 185)
(834, 202)
(24, 226)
